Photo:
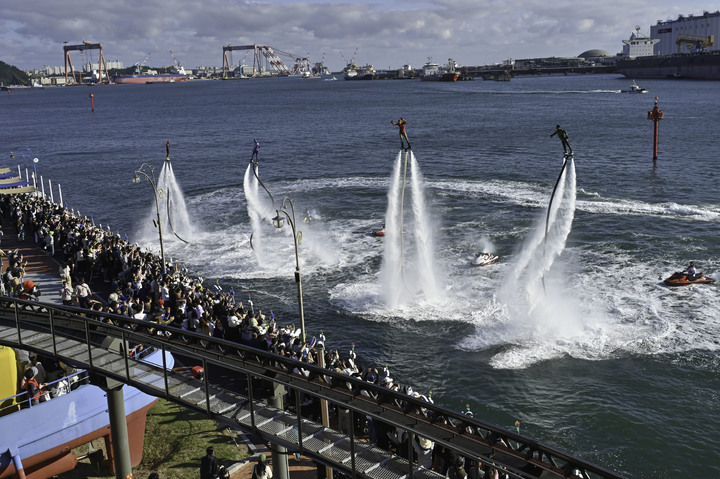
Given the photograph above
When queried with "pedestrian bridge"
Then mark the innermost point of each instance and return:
(89, 341)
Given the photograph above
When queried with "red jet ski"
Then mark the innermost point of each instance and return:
(681, 279)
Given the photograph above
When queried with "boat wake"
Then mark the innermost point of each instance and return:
(582, 313)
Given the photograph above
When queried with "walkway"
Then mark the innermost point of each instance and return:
(45, 271)
(41, 267)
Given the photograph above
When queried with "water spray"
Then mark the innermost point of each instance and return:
(547, 218)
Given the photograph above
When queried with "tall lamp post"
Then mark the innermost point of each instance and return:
(150, 177)
(297, 239)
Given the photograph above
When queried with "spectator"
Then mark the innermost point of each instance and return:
(262, 470)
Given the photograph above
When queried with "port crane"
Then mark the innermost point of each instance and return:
(140, 64)
(349, 65)
(301, 66)
(700, 42)
(81, 48)
(178, 66)
(260, 52)
(319, 67)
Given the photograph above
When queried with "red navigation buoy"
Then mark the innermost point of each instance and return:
(92, 101)
(656, 114)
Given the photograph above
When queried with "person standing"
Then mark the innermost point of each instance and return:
(255, 152)
(83, 292)
(403, 132)
(208, 466)
(262, 470)
(562, 134)
(66, 293)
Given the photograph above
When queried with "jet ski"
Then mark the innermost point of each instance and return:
(484, 259)
(379, 232)
(681, 279)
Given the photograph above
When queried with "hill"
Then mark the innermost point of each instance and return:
(10, 75)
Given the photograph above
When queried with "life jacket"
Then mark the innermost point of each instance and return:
(38, 392)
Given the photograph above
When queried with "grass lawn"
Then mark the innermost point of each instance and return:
(175, 441)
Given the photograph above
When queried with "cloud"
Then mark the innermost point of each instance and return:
(386, 34)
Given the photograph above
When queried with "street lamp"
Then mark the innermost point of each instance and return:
(143, 170)
(297, 239)
(35, 176)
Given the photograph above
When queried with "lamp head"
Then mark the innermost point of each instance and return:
(136, 179)
(278, 221)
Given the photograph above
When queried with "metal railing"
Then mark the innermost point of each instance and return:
(101, 343)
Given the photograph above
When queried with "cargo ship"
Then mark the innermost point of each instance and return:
(177, 75)
(433, 72)
(691, 66)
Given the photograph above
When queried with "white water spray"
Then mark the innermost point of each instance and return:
(423, 235)
(539, 253)
(172, 209)
(406, 271)
(258, 211)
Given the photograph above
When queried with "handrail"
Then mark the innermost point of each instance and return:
(22, 397)
(468, 436)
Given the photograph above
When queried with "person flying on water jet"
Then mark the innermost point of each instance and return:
(562, 134)
(403, 133)
(167, 151)
(255, 151)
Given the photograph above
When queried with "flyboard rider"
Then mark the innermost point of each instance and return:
(255, 151)
(403, 133)
(562, 134)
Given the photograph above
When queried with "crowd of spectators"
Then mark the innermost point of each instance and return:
(137, 286)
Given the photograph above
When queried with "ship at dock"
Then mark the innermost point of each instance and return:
(177, 73)
(151, 77)
(682, 48)
(433, 72)
(691, 66)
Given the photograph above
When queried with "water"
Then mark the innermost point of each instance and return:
(603, 362)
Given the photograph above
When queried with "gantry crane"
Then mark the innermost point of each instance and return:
(82, 47)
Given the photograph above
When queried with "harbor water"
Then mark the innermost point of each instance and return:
(571, 333)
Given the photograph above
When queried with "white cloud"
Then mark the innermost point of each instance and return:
(385, 33)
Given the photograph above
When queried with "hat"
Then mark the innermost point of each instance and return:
(425, 443)
(262, 458)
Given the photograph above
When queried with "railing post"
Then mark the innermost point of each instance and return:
(51, 317)
(87, 340)
(298, 411)
(17, 321)
(411, 453)
(165, 370)
(126, 353)
(351, 430)
(252, 402)
(207, 389)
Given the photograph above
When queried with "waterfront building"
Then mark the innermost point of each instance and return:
(687, 34)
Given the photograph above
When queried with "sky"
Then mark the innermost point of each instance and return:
(386, 34)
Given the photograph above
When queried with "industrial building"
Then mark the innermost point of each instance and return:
(687, 34)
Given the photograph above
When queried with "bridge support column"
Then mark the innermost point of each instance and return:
(281, 470)
(19, 470)
(119, 432)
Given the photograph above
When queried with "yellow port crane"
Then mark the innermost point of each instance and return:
(697, 41)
